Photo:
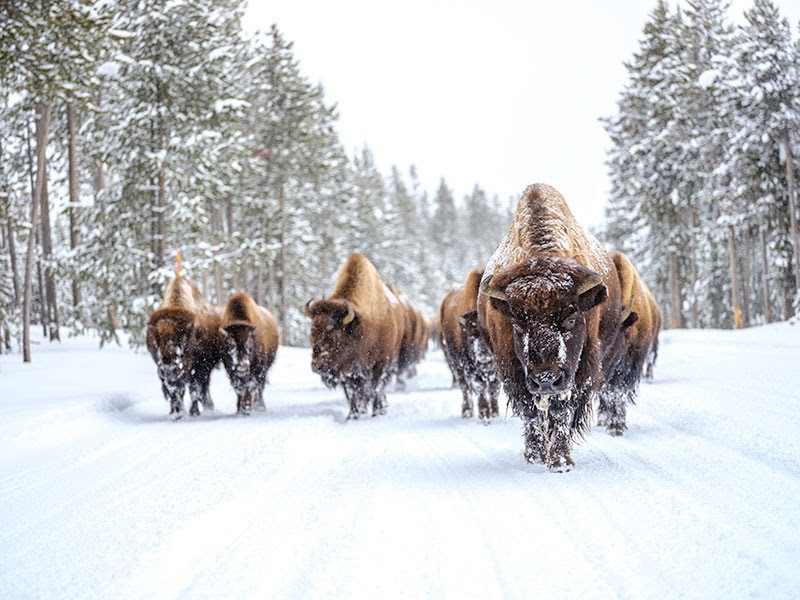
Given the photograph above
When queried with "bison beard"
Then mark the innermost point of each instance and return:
(183, 339)
(549, 304)
(251, 342)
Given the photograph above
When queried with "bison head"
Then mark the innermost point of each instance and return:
(240, 351)
(335, 330)
(169, 336)
(545, 300)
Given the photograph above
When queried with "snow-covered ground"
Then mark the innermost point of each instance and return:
(101, 496)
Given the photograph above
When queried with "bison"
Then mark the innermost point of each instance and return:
(634, 349)
(251, 342)
(466, 351)
(549, 305)
(356, 335)
(184, 340)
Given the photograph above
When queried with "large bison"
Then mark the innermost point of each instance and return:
(549, 304)
(634, 349)
(356, 335)
(251, 342)
(184, 339)
(467, 354)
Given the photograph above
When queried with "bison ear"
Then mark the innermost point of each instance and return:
(592, 297)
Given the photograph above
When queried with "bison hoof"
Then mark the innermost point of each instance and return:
(533, 456)
(560, 464)
(466, 413)
(194, 411)
(615, 430)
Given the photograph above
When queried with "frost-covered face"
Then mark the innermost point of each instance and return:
(545, 302)
(335, 329)
(171, 339)
(240, 347)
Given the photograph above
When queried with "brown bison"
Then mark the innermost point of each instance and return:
(251, 342)
(466, 351)
(414, 343)
(549, 304)
(634, 349)
(356, 335)
(184, 340)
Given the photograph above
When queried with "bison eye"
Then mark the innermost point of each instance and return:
(570, 321)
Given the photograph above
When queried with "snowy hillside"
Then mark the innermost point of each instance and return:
(101, 496)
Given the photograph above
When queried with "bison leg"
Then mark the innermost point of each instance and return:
(559, 418)
(493, 390)
(259, 400)
(602, 409)
(616, 412)
(245, 401)
(174, 395)
(351, 392)
(535, 432)
(467, 406)
(379, 403)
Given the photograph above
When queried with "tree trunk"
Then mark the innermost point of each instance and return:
(47, 250)
(12, 251)
(73, 194)
(765, 300)
(35, 231)
(735, 294)
(676, 315)
(790, 185)
(42, 125)
(745, 270)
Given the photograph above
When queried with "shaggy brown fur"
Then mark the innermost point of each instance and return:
(414, 343)
(356, 334)
(636, 342)
(549, 305)
(251, 342)
(467, 353)
(184, 340)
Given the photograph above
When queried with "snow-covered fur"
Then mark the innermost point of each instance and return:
(356, 335)
(634, 349)
(251, 342)
(184, 340)
(549, 305)
(466, 350)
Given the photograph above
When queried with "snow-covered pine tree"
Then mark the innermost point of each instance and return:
(765, 81)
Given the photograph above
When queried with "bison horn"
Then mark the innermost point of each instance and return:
(308, 305)
(351, 314)
(487, 289)
(588, 283)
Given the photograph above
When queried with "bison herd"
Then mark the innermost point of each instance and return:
(553, 316)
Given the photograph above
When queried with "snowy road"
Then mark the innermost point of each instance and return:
(102, 497)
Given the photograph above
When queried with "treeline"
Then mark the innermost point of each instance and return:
(132, 130)
(703, 164)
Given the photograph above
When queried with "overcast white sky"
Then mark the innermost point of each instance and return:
(496, 92)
